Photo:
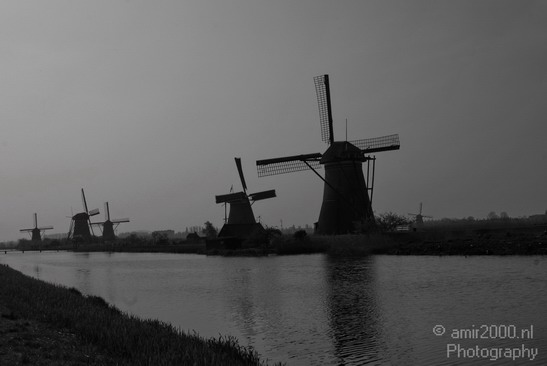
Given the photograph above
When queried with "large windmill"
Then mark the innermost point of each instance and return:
(36, 231)
(346, 203)
(109, 226)
(241, 221)
(80, 225)
(419, 217)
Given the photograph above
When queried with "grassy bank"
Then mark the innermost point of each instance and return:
(493, 242)
(131, 245)
(126, 339)
(193, 248)
(468, 241)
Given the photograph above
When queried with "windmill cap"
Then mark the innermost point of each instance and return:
(80, 216)
(340, 151)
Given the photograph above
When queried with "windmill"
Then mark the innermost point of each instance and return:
(346, 203)
(420, 217)
(80, 226)
(36, 231)
(241, 220)
(109, 226)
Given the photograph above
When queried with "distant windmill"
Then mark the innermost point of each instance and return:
(346, 204)
(36, 231)
(80, 225)
(419, 216)
(109, 226)
(241, 221)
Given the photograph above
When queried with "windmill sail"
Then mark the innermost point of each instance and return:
(106, 211)
(231, 197)
(377, 144)
(84, 203)
(94, 212)
(240, 171)
(287, 164)
(262, 195)
(119, 221)
(322, 88)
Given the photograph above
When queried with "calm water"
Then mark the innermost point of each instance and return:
(316, 310)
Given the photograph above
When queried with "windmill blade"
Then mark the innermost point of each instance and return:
(287, 164)
(93, 212)
(231, 197)
(118, 221)
(45, 228)
(96, 223)
(262, 195)
(106, 211)
(25, 230)
(376, 144)
(322, 89)
(83, 201)
(35, 220)
(69, 235)
(240, 170)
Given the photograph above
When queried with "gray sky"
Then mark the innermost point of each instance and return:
(145, 104)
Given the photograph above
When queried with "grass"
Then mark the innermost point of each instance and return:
(496, 242)
(448, 240)
(131, 340)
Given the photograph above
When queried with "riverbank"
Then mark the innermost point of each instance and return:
(45, 324)
(483, 242)
(499, 241)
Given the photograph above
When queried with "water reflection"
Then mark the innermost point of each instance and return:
(271, 300)
(242, 302)
(316, 310)
(37, 271)
(353, 311)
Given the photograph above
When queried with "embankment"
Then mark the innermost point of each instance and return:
(108, 336)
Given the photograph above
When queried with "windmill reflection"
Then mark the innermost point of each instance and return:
(353, 310)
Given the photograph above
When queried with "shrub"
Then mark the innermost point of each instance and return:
(300, 235)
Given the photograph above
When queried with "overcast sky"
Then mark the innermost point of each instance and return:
(145, 104)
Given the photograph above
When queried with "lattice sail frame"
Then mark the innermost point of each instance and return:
(322, 90)
(287, 165)
(376, 144)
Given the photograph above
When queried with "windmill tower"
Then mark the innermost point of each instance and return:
(80, 226)
(346, 202)
(241, 221)
(36, 231)
(109, 226)
(419, 217)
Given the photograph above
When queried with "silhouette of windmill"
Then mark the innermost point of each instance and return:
(80, 224)
(346, 204)
(109, 226)
(36, 231)
(241, 221)
(419, 216)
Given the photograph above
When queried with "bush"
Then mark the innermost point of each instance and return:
(300, 235)
(389, 221)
